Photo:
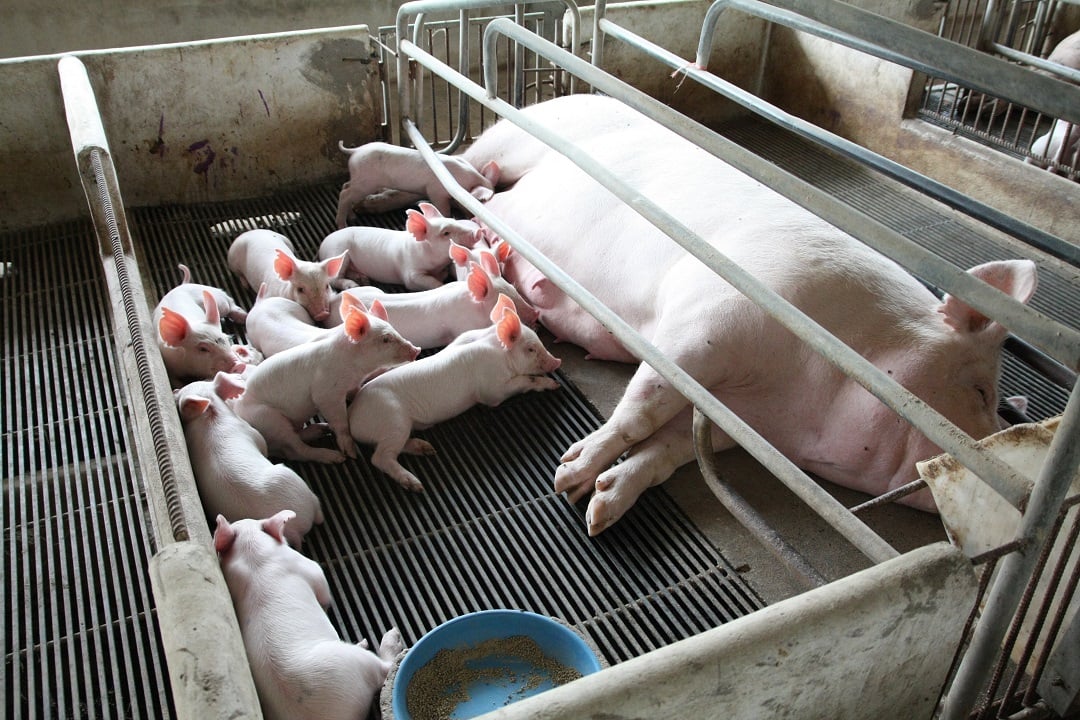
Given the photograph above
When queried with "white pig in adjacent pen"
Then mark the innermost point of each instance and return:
(228, 457)
(433, 318)
(264, 256)
(1061, 143)
(377, 166)
(188, 323)
(288, 389)
(944, 352)
(484, 366)
(416, 257)
(302, 668)
(275, 324)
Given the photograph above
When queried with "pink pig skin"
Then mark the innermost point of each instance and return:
(481, 366)
(228, 456)
(264, 256)
(188, 324)
(433, 318)
(287, 389)
(276, 324)
(376, 166)
(416, 257)
(301, 667)
(946, 353)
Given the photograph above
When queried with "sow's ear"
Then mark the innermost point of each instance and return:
(1017, 278)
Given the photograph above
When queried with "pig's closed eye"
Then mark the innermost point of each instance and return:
(203, 347)
(984, 394)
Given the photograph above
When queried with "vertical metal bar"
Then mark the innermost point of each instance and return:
(1060, 467)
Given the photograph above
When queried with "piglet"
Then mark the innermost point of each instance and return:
(433, 318)
(301, 667)
(188, 321)
(416, 257)
(481, 366)
(276, 323)
(264, 256)
(462, 256)
(228, 457)
(377, 167)
(288, 388)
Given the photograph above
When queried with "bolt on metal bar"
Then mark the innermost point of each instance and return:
(861, 536)
(744, 512)
(991, 216)
(934, 425)
(891, 40)
(1049, 492)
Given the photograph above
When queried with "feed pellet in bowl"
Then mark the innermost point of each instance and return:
(492, 673)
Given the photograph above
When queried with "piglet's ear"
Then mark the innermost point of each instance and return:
(430, 211)
(334, 265)
(503, 304)
(262, 292)
(192, 407)
(228, 385)
(379, 310)
(490, 264)
(275, 526)
(173, 327)
(459, 254)
(1017, 278)
(508, 329)
(417, 224)
(224, 535)
(478, 282)
(213, 317)
(357, 324)
(349, 302)
(502, 250)
(284, 264)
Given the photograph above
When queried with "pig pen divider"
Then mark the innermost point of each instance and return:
(1059, 340)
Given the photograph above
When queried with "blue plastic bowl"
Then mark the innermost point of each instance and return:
(503, 680)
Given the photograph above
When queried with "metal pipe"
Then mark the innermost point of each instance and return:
(744, 512)
(935, 426)
(1070, 74)
(904, 45)
(861, 536)
(991, 216)
(1051, 487)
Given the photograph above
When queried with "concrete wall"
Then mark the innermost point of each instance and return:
(192, 122)
(870, 101)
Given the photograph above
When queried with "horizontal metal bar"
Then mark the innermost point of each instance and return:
(935, 426)
(861, 536)
(908, 46)
(995, 218)
(1070, 74)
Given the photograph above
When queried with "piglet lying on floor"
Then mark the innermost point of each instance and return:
(188, 321)
(433, 318)
(264, 256)
(276, 324)
(228, 456)
(377, 166)
(416, 257)
(301, 667)
(481, 366)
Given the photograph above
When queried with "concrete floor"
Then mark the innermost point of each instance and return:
(826, 550)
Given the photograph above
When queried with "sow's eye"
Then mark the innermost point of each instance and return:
(985, 395)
